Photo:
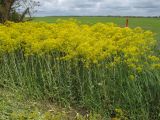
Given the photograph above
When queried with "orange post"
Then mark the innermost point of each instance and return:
(127, 21)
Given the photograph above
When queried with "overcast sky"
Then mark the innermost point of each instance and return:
(99, 7)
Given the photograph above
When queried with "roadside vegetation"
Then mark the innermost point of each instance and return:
(100, 70)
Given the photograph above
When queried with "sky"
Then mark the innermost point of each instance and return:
(98, 7)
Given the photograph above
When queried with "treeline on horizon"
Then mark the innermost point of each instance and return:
(103, 16)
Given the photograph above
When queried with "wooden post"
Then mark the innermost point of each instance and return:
(127, 21)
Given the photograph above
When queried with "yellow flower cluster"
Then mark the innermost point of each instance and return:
(90, 43)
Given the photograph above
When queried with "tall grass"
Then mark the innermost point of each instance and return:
(96, 88)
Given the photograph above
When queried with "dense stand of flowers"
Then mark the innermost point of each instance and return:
(88, 43)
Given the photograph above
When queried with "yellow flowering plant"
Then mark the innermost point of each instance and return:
(92, 44)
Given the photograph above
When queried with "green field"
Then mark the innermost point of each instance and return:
(152, 24)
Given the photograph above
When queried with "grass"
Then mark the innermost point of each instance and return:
(14, 106)
(95, 89)
(152, 24)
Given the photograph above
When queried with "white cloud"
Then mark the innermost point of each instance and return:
(99, 7)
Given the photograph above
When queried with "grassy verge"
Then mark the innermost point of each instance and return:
(13, 106)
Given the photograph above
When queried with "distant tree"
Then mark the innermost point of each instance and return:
(16, 10)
